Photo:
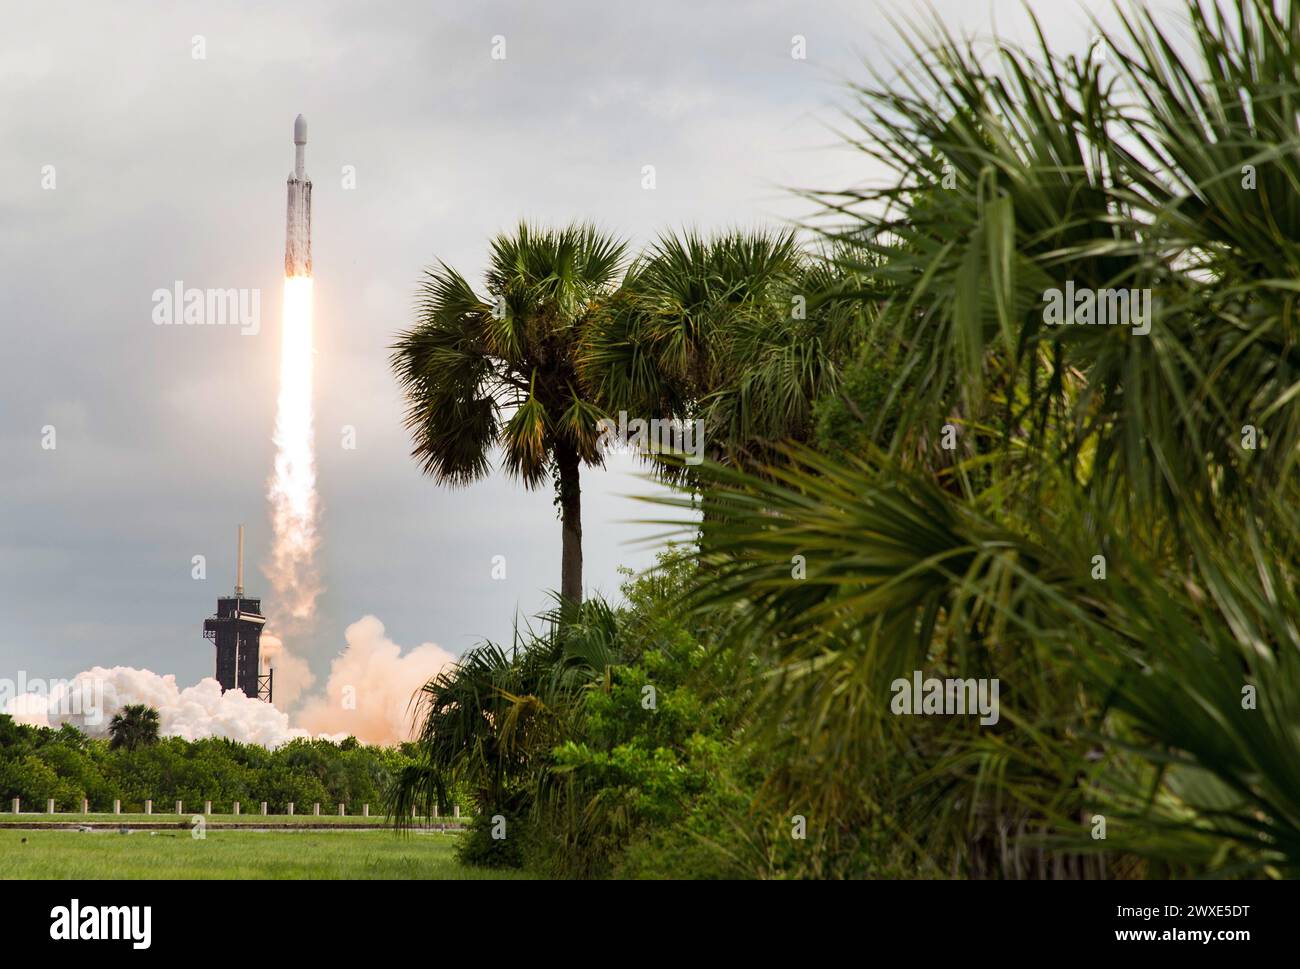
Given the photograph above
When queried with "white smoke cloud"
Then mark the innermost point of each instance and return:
(367, 695)
(28, 708)
(194, 712)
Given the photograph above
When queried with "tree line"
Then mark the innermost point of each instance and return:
(134, 765)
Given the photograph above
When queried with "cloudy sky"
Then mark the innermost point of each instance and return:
(167, 167)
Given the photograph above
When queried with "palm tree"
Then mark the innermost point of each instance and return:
(742, 330)
(500, 369)
(134, 726)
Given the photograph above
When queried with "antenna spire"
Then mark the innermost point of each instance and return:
(239, 569)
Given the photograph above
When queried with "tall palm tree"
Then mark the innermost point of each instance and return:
(500, 369)
(134, 726)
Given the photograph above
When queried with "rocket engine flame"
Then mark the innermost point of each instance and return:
(294, 504)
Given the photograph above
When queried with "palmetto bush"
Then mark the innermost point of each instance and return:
(1121, 697)
(490, 722)
(1161, 697)
(1123, 171)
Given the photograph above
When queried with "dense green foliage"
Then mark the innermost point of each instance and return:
(37, 763)
(607, 730)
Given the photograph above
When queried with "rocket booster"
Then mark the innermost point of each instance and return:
(297, 237)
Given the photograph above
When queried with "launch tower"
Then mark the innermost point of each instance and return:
(237, 631)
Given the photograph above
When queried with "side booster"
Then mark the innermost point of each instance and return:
(297, 236)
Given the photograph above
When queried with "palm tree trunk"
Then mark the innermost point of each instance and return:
(571, 524)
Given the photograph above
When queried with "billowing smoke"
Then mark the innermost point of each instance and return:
(30, 708)
(194, 712)
(371, 683)
(367, 695)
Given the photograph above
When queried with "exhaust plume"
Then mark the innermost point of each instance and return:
(292, 494)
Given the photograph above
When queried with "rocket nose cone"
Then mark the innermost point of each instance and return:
(300, 130)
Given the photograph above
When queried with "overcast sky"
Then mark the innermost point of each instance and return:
(170, 168)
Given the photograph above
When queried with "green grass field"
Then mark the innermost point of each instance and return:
(233, 854)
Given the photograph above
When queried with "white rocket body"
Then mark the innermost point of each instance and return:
(297, 237)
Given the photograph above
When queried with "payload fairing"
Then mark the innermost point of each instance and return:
(297, 238)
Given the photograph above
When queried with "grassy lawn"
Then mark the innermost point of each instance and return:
(233, 854)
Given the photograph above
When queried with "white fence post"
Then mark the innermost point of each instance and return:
(291, 809)
(49, 806)
(148, 806)
(263, 809)
(316, 809)
(341, 811)
(18, 805)
(207, 807)
(178, 808)
(365, 810)
(455, 811)
(117, 806)
(236, 809)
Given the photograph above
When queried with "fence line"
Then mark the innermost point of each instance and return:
(51, 807)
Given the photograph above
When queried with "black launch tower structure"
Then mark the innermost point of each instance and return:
(236, 629)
